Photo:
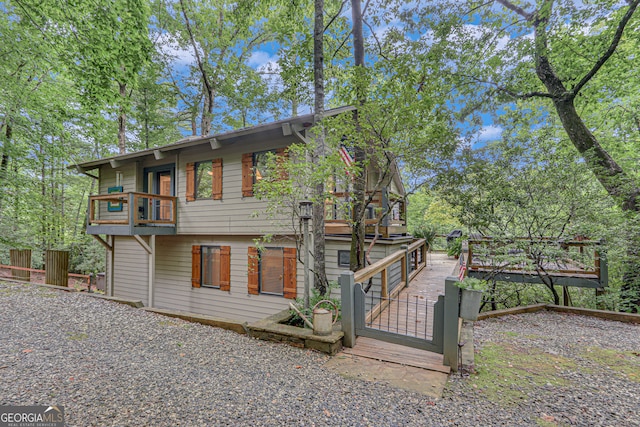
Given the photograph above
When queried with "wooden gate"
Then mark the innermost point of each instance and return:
(20, 258)
(393, 317)
(409, 320)
(57, 268)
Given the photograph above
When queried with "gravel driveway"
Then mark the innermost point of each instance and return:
(109, 364)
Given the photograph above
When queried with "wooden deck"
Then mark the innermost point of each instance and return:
(411, 313)
(567, 263)
(394, 353)
(410, 319)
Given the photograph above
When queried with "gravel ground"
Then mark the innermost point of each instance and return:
(112, 365)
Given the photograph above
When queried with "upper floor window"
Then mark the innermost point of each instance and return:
(204, 180)
(255, 166)
(261, 164)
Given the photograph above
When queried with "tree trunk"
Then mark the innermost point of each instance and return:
(4, 162)
(146, 120)
(207, 111)
(611, 176)
(618, 184)
(320, 275)
(122, 121)
(357, 261)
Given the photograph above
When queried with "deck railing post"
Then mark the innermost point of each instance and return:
(346, 296)
(407, 264)
(91, 216)
(133, 210)
(451, 323)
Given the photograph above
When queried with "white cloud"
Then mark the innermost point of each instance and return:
(261, 60)
(488, 133)
(169, 47)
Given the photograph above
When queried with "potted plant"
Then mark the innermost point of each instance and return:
(471, 290)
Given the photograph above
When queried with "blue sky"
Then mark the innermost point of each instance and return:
(265, 59)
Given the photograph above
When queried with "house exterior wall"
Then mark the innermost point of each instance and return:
(172, 286)
(233, 214)
(379, 251)
(234, 221)
(108, 179)
(131, 272)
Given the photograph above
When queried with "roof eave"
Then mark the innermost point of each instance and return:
(296, 123)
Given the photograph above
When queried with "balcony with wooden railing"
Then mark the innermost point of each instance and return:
(577, 262)
(337, 217)
(129, 214)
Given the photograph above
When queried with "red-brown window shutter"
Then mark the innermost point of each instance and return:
(252, 271)
(247, 175)
(191, 182)
(290, 276)
(216, 179)
(195, 266)
(225, 268)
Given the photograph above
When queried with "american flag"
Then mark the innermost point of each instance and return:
(345, 156)
(463, 271)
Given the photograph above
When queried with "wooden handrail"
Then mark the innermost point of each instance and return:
(378, 266)
(415, 245)
(123, 217)
(111, 197)
(153, 196)
(572, 267)
(585, 242)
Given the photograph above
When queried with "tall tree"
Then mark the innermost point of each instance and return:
(357, 258)
(220, 37)
(104, 45)
(320, 275)
(505, 55)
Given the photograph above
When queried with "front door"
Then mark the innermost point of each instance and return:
(165, 188)
(159, 180)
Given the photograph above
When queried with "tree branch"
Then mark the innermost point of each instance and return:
(333, 18)
(375, 37)
(612, 47)
(526, 15)
(205, 80)
(534, 94)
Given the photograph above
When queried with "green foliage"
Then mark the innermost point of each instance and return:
(454, 247)
(87, 256)
(426, 232)
(473, 284)
(315, 297)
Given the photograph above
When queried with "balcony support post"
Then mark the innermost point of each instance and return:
(152, 267)
(111, 259)
(133, 211)
(385, 207)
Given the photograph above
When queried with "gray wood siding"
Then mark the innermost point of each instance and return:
(233, 214)
(331, 256)
(108, 179)
(173, 290)
(379, 251)
(131, 270)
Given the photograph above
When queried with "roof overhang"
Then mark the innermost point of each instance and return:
(290, 126)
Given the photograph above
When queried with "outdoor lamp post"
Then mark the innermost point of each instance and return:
(306, 210)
